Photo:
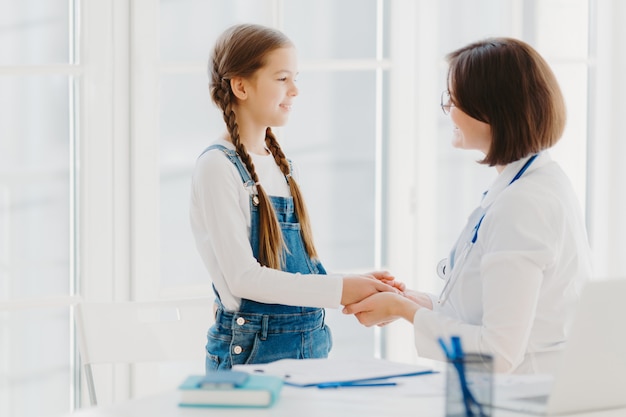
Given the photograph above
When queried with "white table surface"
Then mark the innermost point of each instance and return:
(308, 402)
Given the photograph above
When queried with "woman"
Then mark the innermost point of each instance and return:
(515, 273)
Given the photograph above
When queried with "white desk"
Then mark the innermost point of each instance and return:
(309, 402)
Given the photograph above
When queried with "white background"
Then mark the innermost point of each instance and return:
(104, 107)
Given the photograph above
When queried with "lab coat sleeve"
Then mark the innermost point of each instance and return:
(216, 188)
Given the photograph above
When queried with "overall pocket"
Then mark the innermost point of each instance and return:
(217, 350)
(319, 343)
(277, 346)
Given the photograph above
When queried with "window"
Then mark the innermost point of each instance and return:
(38, 219)
(104, 109)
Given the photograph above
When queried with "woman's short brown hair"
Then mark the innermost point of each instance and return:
(504, 82)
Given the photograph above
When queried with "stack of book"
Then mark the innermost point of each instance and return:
(229, 389)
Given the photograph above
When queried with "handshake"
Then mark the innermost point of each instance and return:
(378, 299)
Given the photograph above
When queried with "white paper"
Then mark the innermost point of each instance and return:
(515, 386)
(310, 372)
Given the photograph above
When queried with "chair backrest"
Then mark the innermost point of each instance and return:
(134, 332)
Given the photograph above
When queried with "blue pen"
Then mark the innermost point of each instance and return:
(444, 348)
(458, 363)
(457, 356)
(355, 385)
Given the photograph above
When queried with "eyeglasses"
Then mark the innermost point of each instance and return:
(446, 102)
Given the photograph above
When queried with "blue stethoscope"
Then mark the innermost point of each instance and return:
(454, 267)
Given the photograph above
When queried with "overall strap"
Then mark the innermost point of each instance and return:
(290, 167)
(234, 158)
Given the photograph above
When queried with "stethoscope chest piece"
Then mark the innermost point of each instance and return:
(442, 268)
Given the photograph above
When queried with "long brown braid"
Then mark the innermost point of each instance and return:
(298, 201)
(240, 52)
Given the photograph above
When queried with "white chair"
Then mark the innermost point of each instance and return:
(134, 332)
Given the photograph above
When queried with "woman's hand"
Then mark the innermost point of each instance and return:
(382, 308)
(420, 298)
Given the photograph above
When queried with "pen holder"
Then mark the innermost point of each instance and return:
(469, 386)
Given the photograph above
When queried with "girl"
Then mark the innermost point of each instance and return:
(249, 219)
(514, 275)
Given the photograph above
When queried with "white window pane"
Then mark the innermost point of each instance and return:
(34, 187)
(463, 21)
(35, 136)
(36, 380)
(571, 150)
(332, 29)
(331, 138)
(568, 38)
(34, 32)
(189, 27)
(35, 238)
(189, 122)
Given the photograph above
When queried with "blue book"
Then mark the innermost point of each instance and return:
(223, 379)
(256, 391)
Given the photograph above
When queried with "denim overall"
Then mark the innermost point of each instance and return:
(258, 332)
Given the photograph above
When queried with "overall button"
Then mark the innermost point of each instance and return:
(237, 350)
(241, 321)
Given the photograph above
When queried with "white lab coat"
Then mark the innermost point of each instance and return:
(517, 292)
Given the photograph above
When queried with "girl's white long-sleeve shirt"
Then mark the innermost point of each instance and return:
(220, 222)
(516, 294)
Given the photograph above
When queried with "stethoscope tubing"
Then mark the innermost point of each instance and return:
(443, 267)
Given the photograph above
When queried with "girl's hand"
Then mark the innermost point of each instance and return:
(358, 287)
(387, 278)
